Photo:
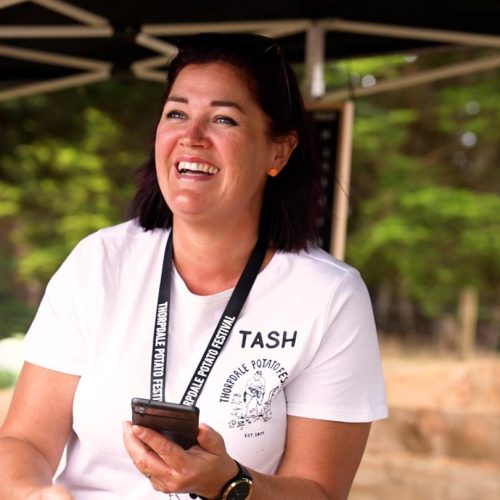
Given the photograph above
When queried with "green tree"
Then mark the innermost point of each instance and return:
(425, 197)
(67, 168)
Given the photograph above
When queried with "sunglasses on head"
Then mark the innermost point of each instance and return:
(242, 43)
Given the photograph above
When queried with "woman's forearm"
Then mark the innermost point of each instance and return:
(23, 469)
(31, 439)
(285, 488)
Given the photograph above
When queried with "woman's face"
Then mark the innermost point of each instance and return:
(212, 147)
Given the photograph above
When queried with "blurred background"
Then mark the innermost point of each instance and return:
(424, 230)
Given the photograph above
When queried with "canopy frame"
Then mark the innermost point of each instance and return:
(92, 25)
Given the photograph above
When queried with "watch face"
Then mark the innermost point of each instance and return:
(241, 490)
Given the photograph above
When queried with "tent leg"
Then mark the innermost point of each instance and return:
(342, 183)
(315, 62)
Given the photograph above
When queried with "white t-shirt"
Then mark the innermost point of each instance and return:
(304, 344)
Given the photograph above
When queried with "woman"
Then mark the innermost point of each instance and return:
(291, 393)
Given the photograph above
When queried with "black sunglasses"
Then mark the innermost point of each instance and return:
(241, 43)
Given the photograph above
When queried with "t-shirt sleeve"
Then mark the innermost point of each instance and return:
(58, 338)
(344, 380)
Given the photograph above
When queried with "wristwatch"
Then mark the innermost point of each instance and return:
(239, 487)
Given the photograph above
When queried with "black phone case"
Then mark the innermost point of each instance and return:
(175, 421)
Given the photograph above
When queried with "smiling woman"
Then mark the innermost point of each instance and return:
(213, 150)
(257, 75)
(271, 338)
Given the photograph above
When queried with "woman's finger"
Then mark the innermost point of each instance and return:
(143, 456)
(211, 440)
(171, 453)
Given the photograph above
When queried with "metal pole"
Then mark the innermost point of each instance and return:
(342, 183)
(315, 62)
(53, 85)
(410, 32)
(432, 75)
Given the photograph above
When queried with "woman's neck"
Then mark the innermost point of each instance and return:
(211, 260)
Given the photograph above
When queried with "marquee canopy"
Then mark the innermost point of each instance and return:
(52, 44)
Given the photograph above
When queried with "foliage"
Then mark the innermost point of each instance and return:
(437, 240)
(425, 202)
(60, 192)
(66, 174)
(7, 379)
(353, 71)
(15, 313)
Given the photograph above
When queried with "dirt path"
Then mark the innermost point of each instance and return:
(442, 439)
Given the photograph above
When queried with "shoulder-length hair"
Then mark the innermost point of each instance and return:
(290, 210)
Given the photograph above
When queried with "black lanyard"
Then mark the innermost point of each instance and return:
(220, 335)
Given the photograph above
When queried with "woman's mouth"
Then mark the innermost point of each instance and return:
(192, 168)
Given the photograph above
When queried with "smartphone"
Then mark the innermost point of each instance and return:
(175, 421)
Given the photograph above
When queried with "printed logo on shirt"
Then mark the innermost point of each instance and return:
(250, 390)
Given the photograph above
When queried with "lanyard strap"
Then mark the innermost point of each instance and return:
(160, 337)
(221, 332)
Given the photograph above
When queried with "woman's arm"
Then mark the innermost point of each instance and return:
(34, 434)
(320, 461)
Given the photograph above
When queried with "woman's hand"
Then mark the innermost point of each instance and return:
(203, 469)
(57, 492)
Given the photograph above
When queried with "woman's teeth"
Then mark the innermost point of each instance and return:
(187, 167)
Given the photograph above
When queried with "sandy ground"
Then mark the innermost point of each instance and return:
(442, 439)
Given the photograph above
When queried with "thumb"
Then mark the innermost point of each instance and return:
(211, 440)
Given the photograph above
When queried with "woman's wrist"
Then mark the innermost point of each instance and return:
(230, 470)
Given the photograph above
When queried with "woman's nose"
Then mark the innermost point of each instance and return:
(194, 135)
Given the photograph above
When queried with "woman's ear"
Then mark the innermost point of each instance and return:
(283, 149)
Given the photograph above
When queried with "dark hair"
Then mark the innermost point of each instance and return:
(290, 210)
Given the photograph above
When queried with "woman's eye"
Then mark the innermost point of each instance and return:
(175, 115)
(225, 119)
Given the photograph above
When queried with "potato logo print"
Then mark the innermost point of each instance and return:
(251, 396)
